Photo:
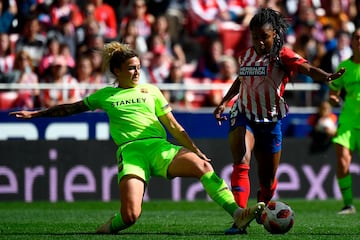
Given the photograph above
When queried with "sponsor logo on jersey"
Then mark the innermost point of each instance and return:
(129, 101)
(253, 71)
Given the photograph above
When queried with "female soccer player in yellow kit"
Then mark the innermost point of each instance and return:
(347, 139)
(137, 116)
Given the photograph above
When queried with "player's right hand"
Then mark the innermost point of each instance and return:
(219, 110)
(22, 114)
(334, 100)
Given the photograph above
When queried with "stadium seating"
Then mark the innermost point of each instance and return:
(8, 100)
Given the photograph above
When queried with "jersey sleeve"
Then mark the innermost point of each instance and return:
(291, 59)
(162, 106)
(94, 100)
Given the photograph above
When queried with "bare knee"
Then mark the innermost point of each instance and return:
(130, 216)
(205, 167)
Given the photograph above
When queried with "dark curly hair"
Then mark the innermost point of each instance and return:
(278, 23)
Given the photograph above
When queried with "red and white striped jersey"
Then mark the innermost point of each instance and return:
(263, 83)
(7, 63)
(61, 96)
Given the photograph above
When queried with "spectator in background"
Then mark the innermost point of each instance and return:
(92, 41)
(97, 61)
(306, 22)
(91, 30)
(205, 17)
(90, 25)
(176, 17)
(65, 9)
(161, 28)
(84, 73)
(66, 33)
(66, 52)
(131, 36)
(332, 59)
(241, 11)
(356, 18)
(208, 64)
(313, 50)
(227, 75)
(46, 27)
(106, 16)
(159, 61)
(25, 8)
(7, 57)
(52, 50)
(330, 37)
(177, 98)
(143, 19)
(66, 91)
(7, 75)
(324, 125)
(277, 5)
(27, 98)
(157, 7)
(32, 41)
(8, 11)
(336, 16)
(93, 46)
(310, 48)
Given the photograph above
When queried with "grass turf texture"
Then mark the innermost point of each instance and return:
(167, 220)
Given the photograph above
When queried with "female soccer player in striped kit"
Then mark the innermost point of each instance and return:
(139, 114)
(255, 118)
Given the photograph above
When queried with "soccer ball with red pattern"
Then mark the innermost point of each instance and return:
(277, 217)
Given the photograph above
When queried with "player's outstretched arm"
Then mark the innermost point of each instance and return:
(61, 110)
(318, 74)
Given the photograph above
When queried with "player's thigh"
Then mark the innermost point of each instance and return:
(241, 144)
(267, 150)
(188, 164)
(347, 137)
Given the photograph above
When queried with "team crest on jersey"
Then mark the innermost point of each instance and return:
(253, 71)
(144, 90)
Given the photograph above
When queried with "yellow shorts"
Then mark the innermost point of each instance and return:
(146, 158)
(348, 137)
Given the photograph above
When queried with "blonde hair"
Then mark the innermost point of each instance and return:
(115, 54)
(18, 57)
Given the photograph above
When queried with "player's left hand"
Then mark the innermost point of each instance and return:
(336, 75)
(219, 110)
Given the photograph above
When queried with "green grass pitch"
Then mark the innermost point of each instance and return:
(168, 220)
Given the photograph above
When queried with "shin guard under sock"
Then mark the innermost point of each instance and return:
(217, 189)
(117, 224)
(345, 185)
(240, 184)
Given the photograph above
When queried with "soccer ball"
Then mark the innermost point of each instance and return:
(277, 217)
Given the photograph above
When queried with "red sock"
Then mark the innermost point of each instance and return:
(266, 194)
(240, 184)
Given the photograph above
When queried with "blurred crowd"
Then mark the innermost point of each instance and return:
(59, 42)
